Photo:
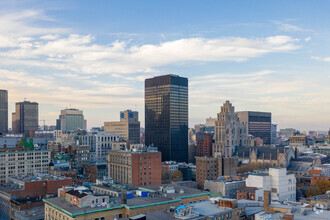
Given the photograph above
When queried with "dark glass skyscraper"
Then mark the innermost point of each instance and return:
(258, 124)
(3, 111)
(26, 118)
(166, 116)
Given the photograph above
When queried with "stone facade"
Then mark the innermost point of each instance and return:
(229, 131)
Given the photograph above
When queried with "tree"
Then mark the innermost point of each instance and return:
(165, 176)
(177, 176)
(323, 185)
(313, 191)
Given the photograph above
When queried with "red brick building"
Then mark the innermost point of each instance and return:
(35, 188)
(204, 146)
(139, 167)
(248, 193)
(316, 176)
(22, 193)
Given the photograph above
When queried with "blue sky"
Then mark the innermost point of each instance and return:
(94, 55)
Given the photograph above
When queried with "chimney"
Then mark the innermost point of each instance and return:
(267, 200)
(123, 197)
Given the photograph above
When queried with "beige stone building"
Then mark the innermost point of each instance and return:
(18, 163)
(128, 127)
(298, 140)
(229, 132)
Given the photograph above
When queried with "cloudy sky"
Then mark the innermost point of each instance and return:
(94, 55)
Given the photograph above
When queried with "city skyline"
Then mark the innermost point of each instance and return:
(269, 57)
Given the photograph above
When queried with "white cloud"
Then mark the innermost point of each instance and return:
(79, 53)
(325, 59)
(290, 28)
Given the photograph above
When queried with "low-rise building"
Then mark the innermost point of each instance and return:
(139, 166)
(113, 190)
(80, 155)
(210, 168)
(160, 197)
(22, 192)
(100, 143)
(22, 163)
(248, 193)
(298, 139)
(281, 184)
(203, 210)
(226, 186)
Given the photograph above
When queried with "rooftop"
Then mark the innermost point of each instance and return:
(33, 213)
(116, 187)
(156, 196)
(203, 209)
(39, 177)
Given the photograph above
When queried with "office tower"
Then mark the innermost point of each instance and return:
(166, 116)
(25, 118)
(70, 120)
(128, 127)
(258, 124)
(3, 111)
(229, 132)
(139, 167)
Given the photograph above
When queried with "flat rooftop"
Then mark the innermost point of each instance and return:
(116, 187)
(155, 196)
(37, 178)
(33, 213)
(204, 208)
(60, 202)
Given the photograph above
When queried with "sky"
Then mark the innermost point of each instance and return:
(271, 56)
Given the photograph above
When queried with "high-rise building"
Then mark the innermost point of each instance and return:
(258, 124)
(25, 118)
(71, 120)
(166, 116)
(128, 127)
(3, 111)
(229, 131)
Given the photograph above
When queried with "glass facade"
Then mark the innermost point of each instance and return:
(3, 111)
(26, 118)
(258, 124)
(71, 120)
(166, 116)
